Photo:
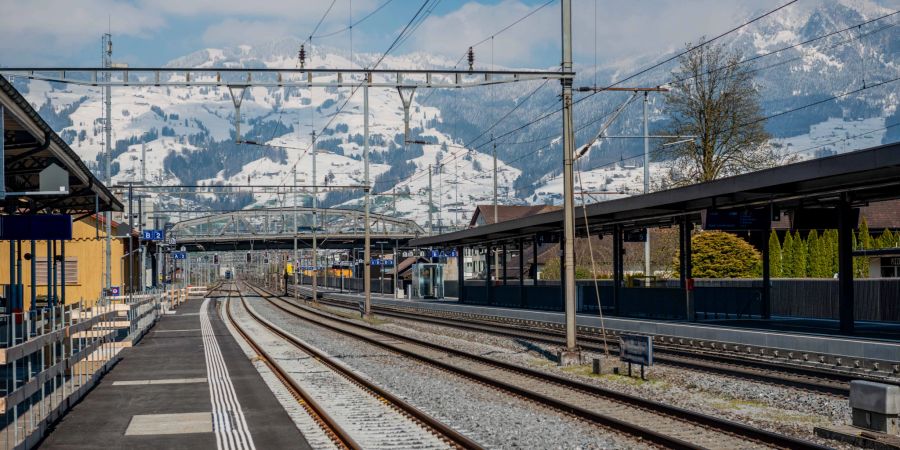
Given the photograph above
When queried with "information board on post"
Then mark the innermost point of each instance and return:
(636, 349)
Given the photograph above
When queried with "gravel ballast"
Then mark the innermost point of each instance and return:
(780, 409)
(490, 417)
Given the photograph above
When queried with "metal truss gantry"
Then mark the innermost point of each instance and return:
(276, 78)
(285, 224)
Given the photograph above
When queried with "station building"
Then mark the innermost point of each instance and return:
(84, 268)
(51, 215)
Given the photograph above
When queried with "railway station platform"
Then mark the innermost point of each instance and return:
(187, 384)
(813, 337)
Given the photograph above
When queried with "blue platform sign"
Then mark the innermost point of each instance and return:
(179, 255)
(36, 226)
(442, 254)
(114, 290)
(153, 235)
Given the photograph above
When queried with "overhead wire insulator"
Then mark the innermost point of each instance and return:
(470, 55)
(301, 55)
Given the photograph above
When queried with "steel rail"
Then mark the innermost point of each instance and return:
(329, 425)
(449, 434)
(675, 413)
(807, 379)
(814, 379)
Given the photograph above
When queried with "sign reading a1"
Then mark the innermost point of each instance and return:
(153, 235)
(179, 255)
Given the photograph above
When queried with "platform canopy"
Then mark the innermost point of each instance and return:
(863, 176)
(31, 147)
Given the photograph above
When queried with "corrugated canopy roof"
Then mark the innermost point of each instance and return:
(30, 146)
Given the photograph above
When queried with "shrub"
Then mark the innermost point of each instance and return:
(716, 254)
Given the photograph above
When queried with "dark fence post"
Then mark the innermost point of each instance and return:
(487, 273)
(767, 270)
(461, 277)
(846, 224)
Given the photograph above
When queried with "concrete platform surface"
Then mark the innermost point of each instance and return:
(159, 395)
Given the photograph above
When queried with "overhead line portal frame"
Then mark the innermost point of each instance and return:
(241, 78)
(274, 77)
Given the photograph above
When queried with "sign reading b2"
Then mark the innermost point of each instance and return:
(153, 235)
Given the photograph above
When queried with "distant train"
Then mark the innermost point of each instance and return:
(336, 271)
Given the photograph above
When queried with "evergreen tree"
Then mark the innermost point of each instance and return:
(863, 242)
(857, 262)
(865, 238)
(886, 240)
(829, 252)
(787, 256)
(774, 255)
(799, 256)
(815, 267)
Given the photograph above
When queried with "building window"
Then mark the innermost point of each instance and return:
(71, 271)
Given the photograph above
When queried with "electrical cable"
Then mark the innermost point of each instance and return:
(354, 24)
(384, 55)
(762, 119)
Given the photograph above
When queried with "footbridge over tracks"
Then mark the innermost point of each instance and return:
(277, 228)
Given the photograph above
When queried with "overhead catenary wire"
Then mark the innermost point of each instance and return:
(765, 118)
(356, 87)
(308, 40)
(550, 114)
(353, 24)
(652, 67)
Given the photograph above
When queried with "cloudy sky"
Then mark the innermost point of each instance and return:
(152, 32)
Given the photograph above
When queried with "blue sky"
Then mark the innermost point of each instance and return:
(152, 32)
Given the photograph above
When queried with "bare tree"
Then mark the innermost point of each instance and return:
(715, 99)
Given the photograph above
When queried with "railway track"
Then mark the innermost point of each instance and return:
(657, 423)
(377, 419)
(807, 379)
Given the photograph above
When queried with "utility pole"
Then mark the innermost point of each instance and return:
(315, 205)
(646, 180)
(107, 93)
(143, 266)
(367, 255)
(571, 355)
(496, 253)
(430, 202)
(130, 248)
(296, 269)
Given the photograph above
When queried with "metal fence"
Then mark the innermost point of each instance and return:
(378, 286)
(877, 299)
(50, 358)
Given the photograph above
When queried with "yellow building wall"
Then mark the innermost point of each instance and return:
(89, 252)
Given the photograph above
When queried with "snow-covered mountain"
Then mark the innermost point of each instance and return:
(187, 134)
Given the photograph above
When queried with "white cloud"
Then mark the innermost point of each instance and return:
(29, 28)
(304, 10)
(452, 33)
(624, 28)
(232, 32)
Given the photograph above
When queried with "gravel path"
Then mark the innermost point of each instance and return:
(781, 409)
(492, 418)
